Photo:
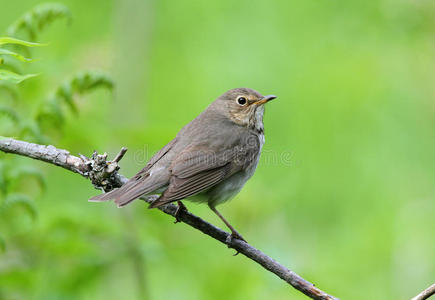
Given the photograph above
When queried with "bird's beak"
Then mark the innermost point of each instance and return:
(265, 99)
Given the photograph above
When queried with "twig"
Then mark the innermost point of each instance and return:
(120, 155)
(97, 169)
(426, 293)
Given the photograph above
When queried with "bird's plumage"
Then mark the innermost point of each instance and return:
(212, 156)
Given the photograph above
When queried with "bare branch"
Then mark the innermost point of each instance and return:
(120, 155)
(426, 293)
(48, 154)
(104, 176)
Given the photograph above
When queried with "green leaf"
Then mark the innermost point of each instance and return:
(34, 21)
(18, 199)
(82, 83)
(65, 92)
(86, 81)
(14, 77)
(16, 55)
(51, 114)
(10, 40)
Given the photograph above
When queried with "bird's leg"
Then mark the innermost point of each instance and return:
(181, 208)
(234, 233)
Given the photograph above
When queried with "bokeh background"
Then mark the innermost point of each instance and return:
(344, 194)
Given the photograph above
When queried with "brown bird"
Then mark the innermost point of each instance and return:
(209, 160)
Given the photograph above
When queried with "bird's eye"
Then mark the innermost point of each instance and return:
(241, 100)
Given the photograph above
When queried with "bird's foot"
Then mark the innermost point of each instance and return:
(234, 235)
(180, 209)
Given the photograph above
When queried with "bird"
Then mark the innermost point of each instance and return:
(209, 160)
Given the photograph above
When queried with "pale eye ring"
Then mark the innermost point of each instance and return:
(242, 100)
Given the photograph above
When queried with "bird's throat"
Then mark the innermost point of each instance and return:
(253, 118)
(256, 122)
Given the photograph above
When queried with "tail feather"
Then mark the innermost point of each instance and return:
(105, 196)
(116, 193)
(133, 189)
(132, 194)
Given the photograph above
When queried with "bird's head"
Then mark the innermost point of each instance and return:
(244, 106)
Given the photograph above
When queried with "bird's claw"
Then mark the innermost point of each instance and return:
(229, 240)
(236, 235)
(180, 209)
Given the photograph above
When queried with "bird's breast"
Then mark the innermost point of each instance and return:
(231, 186)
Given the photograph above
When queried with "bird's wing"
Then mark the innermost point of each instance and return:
(180, 188)
(139, 184)
(196, 171)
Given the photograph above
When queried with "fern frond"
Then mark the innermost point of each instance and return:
(12, 65)
(12, 77)
(82, 83)
(65, 92)
(34, 21)
(10, 40)
(51, 115)
(15, 55)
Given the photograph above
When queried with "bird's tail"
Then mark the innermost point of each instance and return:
(133, 189)
(105, 196)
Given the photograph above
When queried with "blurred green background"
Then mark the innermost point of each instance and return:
(351, 210)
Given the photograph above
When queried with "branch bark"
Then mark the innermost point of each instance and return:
(104, 175)
(426, 293)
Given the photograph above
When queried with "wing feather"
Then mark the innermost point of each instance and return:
(180, 188)
(195, 170)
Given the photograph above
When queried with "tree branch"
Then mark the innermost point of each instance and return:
(104, 175)
(426, 293)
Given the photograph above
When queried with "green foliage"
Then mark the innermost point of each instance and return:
(2, 244)
(35, 20)
(7, 75)
(17, 199)
(51, 115)
(24, 174)
(14, 77)
(3, 187)
(9, 90)
(14, 41)
(80, 84)
(32, 120)
(10, 113)
(14, 54)
(352, 211)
